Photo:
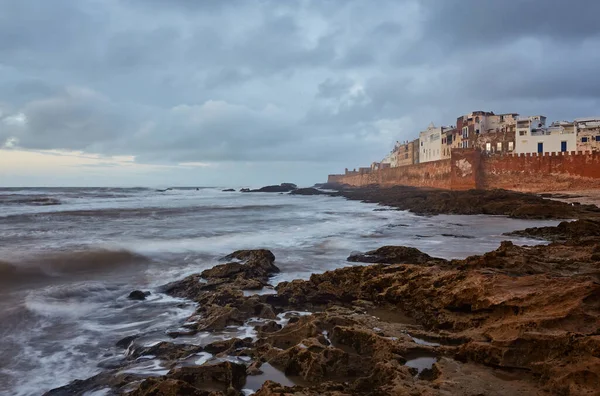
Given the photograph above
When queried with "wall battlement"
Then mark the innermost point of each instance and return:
(468, 169)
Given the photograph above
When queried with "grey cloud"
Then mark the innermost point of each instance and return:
(334, 82)
(468, 22)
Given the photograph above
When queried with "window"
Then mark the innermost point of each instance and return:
(499, 146)
(563, 146)
(598, 138)
(477, 131)
(584, 140)
(511, 146)
(477, 119)
(465, 132)
(522, 133)
(421, 144)
(488, 147)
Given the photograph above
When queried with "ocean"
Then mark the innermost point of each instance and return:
(69, 257)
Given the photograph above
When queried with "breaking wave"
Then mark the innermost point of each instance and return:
(62, 264)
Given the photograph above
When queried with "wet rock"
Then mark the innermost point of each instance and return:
(126, 342)
(138, 295)
(223, 375)
(167, 351)
(283, 187)
(230, 345)
(307, 191)
(244, 190)
(394, 255)
(566, 230)
(492, 202)
(269, 327)
(229, 190)
(169, 387)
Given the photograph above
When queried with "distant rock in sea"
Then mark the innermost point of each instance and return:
(307, 191)
(283, 187)
(228, 190)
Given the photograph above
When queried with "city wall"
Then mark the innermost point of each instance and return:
(468, 169)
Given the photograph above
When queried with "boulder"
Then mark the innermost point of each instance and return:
(138, 295)
(394, 255)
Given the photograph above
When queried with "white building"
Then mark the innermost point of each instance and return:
(532, 136)
(430, 143)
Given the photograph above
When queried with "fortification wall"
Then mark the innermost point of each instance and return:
(468, 169)
(547, 172)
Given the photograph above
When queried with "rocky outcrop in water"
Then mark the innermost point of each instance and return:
(307, 191)
(518, 320)
(491, 202)
(281, 188)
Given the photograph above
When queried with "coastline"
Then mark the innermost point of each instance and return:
(519, 320)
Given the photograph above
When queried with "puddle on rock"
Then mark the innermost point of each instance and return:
(270, 373)
(420, 360)
(421, 341)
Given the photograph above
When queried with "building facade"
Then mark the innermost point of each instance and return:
(534, 137)
(588, 133)
(430, 144)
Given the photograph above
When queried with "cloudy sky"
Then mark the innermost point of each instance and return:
(250, 92)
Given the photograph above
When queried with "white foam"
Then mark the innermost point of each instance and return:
(203, 357)
(147, 368)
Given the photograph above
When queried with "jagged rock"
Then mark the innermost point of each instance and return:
(566, 230)
(394, 255)
(225, 375)
(170, 387)
(167, 351)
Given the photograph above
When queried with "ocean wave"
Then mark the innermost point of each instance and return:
(66, 263)
(30, 200)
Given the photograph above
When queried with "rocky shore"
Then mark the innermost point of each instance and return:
(490, 202)
(520, 320)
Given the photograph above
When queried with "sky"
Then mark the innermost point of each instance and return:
(255, 92)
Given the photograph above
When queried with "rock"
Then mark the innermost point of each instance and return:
(167, 351)
(245, 190)
(138, 295)
(269, 327)
(169, 387)
(492, 202)
(566, 230)
(229, 190)
(126, 342)
(394, 255)
(283, 187)
(307, 191)
(227, 345)
(223, 375)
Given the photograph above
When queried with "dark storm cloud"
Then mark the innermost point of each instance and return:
(488, 22)
(310, 81)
